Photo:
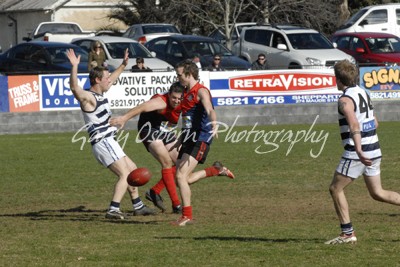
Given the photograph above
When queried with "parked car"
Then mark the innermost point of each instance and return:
(176, 48)
(219, 34)
(41, 57)
(114, 48)
(57, 32)
(288, 47)
(377, 18)
(148, 31)
(369, 48)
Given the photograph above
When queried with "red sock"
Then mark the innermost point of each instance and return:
(158, 187)
(211, 171)
(169, 181)
(187, 212)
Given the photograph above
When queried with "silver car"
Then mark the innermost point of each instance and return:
(114, 48)
(147, 31)
(288, 47)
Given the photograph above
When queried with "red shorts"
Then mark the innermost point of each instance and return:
(197, 150)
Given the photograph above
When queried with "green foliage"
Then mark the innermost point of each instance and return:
(276, 212)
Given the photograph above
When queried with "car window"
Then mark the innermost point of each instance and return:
(356, 43)
(377, 16)
(278, 39)
(84, 44)
(130, 32)
(117, 50)
(58, 28)
(20, 53)
(384, 45)
(258, 36)
(343, 42)
(159, 28)
(398, 16)
(38, 55)
(309, 41)
(201, 48)
(175, 49)
(158, 46)
(218, 49)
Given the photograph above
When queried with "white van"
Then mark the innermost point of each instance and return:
(379, 18)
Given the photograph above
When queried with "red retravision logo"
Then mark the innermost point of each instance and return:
(283, 82)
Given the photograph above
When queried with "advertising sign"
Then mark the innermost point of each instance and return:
(132, 89)
(23, 93)
(56, 93)
(273, 87)
(4, 94)
(383, 82)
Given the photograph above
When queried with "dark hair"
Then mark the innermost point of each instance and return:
(176, 87)
(189, 67)
(96, 72)
(261, 55)
(346, 72)
(139, 60)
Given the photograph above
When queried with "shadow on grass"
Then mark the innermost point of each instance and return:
(251, 239)
(79, 213)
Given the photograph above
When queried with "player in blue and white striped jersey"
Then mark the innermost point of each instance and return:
(362, 153)
(96, 112)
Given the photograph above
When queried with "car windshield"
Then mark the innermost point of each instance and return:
(206, 48)
(159, 28)
(58, 55)
(309, 41)
(384, 45)
(117, 50)
(58, 28)
(353, 19)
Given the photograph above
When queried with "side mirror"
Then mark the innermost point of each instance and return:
(153, 53)
(282, 47)
(360, 50)
(363, 22)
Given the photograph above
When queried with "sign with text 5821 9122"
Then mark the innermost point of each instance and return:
(56, 92)
(133, 89)
(273, 87)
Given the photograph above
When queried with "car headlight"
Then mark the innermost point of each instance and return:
(352, 60)
(313, 61)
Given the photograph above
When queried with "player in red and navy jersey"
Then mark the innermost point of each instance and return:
(157, 129)
(199, 126)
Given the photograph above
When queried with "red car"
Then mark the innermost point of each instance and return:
(369, 48)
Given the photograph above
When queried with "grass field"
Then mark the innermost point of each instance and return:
(277, 212)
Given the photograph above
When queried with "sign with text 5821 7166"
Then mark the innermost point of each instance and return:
(56, 92)
(273, 87)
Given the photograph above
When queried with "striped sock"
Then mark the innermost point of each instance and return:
(347, 228)
(137, 203)
(114, 205)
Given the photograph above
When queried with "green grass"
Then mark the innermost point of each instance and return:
(277, 212)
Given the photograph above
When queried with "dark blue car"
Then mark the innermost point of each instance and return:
(41, 58)
(176, 48)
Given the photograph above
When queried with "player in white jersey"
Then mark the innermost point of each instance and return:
(96, 112)
(362, 154)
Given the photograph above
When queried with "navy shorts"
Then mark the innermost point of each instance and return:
(197, 150)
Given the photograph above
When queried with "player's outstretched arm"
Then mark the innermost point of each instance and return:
(81, 95)
(115, 74)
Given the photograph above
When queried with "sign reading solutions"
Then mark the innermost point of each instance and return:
(273, 87)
